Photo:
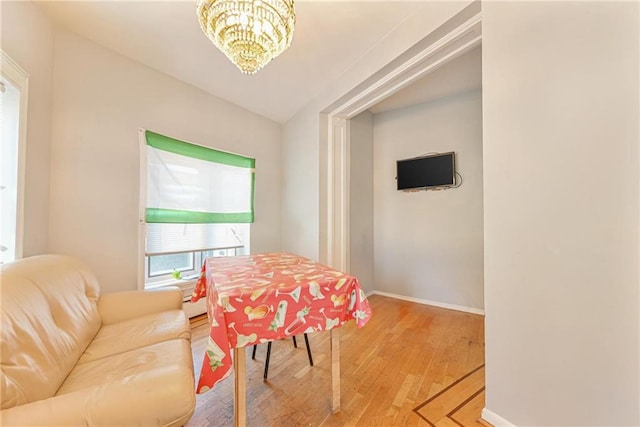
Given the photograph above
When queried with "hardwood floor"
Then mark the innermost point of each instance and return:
(411, 365)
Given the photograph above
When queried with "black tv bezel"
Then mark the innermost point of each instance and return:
(451, 154)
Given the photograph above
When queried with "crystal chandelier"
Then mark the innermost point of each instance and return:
(250, 32)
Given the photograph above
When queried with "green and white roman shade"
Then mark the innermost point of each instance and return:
(191, 184)
(193, 195)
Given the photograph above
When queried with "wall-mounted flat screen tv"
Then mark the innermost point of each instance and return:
(436, 170)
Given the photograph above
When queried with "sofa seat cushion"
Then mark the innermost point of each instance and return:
(129, 366)
(163, 401)
(155, 384)
(136, 333)
(151, 386)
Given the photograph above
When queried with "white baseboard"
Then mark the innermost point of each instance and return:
(429, 302)
(495, 419)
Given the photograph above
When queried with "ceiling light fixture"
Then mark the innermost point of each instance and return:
(250, 32)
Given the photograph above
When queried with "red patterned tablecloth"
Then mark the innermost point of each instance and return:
(259, 298)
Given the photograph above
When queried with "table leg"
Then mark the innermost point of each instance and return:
(240, 387)
(335, 371)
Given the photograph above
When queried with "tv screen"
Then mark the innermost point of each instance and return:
(436, 170)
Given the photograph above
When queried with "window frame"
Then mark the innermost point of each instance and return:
(167, 279)
(11, 71)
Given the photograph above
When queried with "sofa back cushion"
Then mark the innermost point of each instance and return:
(49, 317)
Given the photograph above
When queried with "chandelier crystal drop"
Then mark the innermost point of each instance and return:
(250, 32)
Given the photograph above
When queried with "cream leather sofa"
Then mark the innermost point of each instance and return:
(72, 356)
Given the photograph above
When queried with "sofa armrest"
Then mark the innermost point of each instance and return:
(120, 306)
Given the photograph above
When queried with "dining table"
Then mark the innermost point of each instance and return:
(254, 299)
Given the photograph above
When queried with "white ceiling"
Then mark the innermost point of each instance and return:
(329, 38)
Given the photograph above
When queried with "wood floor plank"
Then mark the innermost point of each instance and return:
(405, 355)
(447, 401)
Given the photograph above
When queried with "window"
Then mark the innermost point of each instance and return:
(160, 265)
(177, 251)
(198, 202)
(13, 114)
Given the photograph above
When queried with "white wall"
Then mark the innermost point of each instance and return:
(303, 138)
(561, 132)
(429, 244)
(27, 37)
(100, 100)
(361, 200)
(300, 185)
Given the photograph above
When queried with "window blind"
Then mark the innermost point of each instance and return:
(191, 184)
(176, 238)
